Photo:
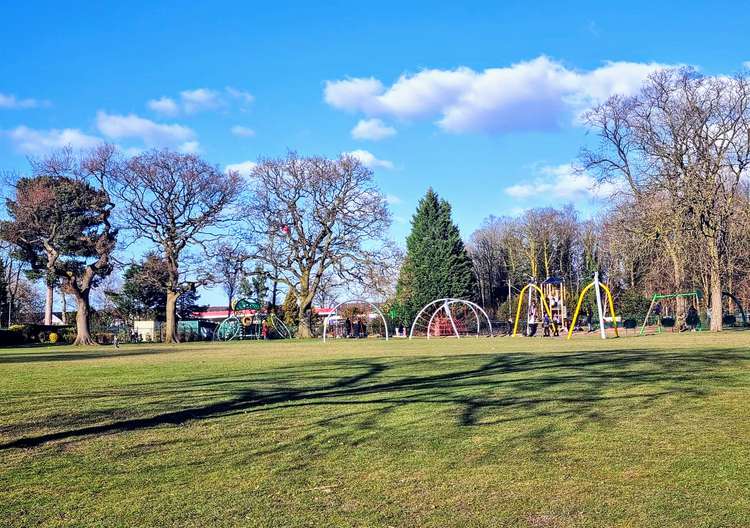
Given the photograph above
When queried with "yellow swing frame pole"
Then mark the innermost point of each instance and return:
(520, 302)
(580, 302)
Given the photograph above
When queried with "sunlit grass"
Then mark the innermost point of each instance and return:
(650, 431)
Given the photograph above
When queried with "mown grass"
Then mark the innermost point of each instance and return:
(635, 432)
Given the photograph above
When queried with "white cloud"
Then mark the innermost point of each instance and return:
(563, 182)
(11, 102)
(373, 129)
(392, 199)
(242, 95)
(189, 147)
(369, 160)
(164, 106)
(35, 141)
(152, 134)
(354, 94)
(200, 99)
(539, 94)
(244, 167)
(242, 131)
(746, 64)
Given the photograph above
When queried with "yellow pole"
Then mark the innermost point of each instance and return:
(611, 308)
(518, 310)
(578, 309)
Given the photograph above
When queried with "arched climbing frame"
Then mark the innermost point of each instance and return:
(354, 301)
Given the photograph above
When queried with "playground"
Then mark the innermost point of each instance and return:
(636, 431)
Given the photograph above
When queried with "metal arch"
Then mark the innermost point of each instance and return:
(419, 314)
(336, 308)
(739, 305)
(611, 308)
(450, 300)
(277, 320)
(471, 305)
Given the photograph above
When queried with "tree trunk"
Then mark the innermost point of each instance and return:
(678, 279)
(170, 333)
(64, 317)
(717, 315)
(83, 336)
(303, 329)
(48, 301)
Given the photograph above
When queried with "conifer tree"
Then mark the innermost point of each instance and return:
(3, 295)
(291, 314)
(436, 264)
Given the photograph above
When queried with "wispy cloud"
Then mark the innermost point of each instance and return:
(565, 182)
(200, 100)
(11, 102)
(152, 134)
(373, 129)
(242, 131)
(369, 160)
(38, 141)
(244, 168)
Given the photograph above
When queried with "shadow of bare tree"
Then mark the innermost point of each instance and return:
(478, 389)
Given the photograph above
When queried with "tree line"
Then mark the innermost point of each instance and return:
(676, 154)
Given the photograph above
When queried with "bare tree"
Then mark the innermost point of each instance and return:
(230, 266)
(315, 215)
(684, 139)
(177, 202)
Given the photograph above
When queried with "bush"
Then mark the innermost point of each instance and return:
(37, 333)
(11, 337)
(104, 338)
(68, 335)
(632, 305)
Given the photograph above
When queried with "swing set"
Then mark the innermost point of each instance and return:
(667, 321)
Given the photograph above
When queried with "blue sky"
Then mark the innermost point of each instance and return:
(478, 101)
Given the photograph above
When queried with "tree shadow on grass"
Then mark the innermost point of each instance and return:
(49, 354)
(479, 389)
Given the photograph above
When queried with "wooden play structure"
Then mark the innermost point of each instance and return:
(535, 296)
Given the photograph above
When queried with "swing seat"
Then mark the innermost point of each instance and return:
(668, 322)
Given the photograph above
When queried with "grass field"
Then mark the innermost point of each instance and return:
(636, 432)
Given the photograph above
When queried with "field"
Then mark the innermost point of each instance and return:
(637, 432)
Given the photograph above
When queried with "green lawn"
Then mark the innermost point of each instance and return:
(636, 432)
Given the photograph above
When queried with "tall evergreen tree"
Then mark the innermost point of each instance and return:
(3, 295)
(436, 264)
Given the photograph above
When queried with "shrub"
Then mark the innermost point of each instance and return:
(11, 337)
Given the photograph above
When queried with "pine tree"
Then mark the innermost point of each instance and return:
(436, 264)
(291, 314)
(3, 295)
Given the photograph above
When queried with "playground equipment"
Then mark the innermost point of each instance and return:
(451, 317)
(666, 320)
(737, 303)
(530, 290)
(554, 293)
(250, 325)
(598, 287)
(340, 321)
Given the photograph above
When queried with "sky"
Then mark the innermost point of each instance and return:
(479, 100)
